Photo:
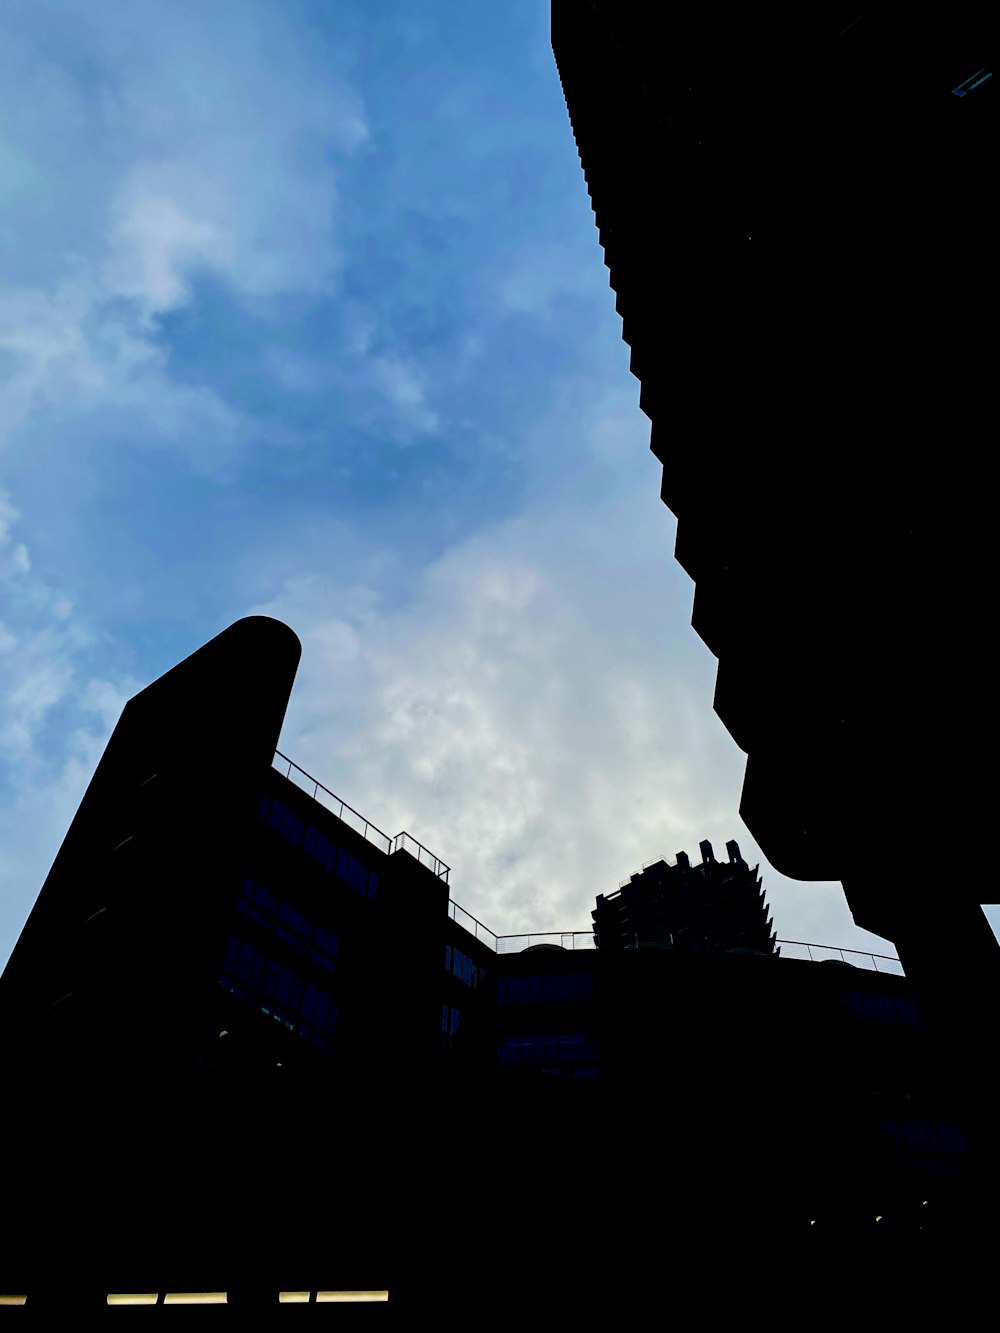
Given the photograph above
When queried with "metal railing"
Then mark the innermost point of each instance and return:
(584, 939)
(654, 861)
(564, 939)
(402, 842)
(827, 953)
(475, 927)
(405, 842)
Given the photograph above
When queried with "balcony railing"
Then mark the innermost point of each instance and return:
(402, 842)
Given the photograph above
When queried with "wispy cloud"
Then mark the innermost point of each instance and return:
(402, 385)
(199, 142)
(55, 714)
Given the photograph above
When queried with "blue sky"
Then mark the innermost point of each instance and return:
(302, 311)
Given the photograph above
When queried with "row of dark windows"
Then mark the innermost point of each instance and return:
(883, 1008)
(547, 1048)
(545, 988)
(287, 923)
(318, 846)
(924, 1144)
(461, 966)
(276, 990)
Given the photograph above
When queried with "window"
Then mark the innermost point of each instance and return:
(281, 818)
(289, 999)
(317, 845)
(288, 924)
(461, 966)
(883, 1008)
(925, 1145)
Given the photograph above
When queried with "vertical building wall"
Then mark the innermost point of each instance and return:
(107, 995)
(115, 954)
(777, 198)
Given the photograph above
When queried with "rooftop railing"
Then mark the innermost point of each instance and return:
(655, 861)
(470, 923)
(402, 842)
(826, 953)
(562, 939)
(405, 842)
(584, 939)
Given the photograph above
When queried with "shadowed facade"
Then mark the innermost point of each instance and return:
(785, 199)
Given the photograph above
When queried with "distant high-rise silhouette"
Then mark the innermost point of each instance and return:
(711, 906)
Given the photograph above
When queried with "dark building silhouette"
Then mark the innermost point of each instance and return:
(711, 906)
(784, 199)
(255, 1052)
(777, 199)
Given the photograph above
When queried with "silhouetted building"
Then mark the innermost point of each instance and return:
(711, 906)
(197, 876)
(263, 1024)
(776, 200)
(783, 201)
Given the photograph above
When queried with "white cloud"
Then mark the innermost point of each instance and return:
(153, 245)
(46, 668)
(36, 643)
(542, 275)
(34, 822)
(48, 356)
(201, 140)
(106, 701)
(14, 558)
(402, 385)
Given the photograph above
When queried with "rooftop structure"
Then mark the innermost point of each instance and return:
(711, 906)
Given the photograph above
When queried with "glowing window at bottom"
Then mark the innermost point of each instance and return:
(195, 1298)
(322, 1296)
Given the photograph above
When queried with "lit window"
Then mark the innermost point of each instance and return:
(325, 1296)
(195, 1298)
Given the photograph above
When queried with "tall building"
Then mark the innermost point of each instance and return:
(785, 203)
(776, 200)
(256, 1054)
(711, 906)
